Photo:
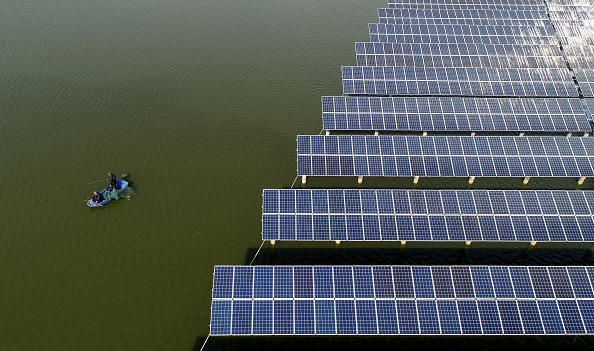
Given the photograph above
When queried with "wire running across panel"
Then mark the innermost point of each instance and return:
(402, 300)
(453, 114)
(428, 215)
(407, 81)
(447, 156)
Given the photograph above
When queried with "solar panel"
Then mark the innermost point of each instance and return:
(381, 300)
(392, 81)
(509, 2)
(453, 114)
(464, 49)
(540, 7)
(400, 33)
(468, 21)
(460, 13)
(428, 215)
(460, 61)
(420, 156)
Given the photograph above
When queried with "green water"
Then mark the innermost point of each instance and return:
(200, 103)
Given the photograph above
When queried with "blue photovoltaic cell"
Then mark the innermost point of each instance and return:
(345, 317)
(366, 317)
(530, 317)
(325, 322)
(551, 317)
(304, 317)
(489, 314)
(510, 317)
(428, 320)
(469, 318)
(263, 324)
(400, 300)
(448, 316)
(242, 317)
(408, 322)
(220, 317)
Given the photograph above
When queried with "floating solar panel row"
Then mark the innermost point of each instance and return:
(468, 39)
(487, 2)
(470, 7)
(579, 32)
(461, 30)
(400, 156)
(528, 82)
(456, 49)
(461, 61)
(465, 14)
(427, 215)
(452, 114)
(465, 21)
(401, 300)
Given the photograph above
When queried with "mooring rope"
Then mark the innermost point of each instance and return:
(294, 182)
(205, 342)
(257, 252)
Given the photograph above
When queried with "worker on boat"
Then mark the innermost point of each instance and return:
(97, 198)
(112, 179)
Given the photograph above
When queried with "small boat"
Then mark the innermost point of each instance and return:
(121, 186)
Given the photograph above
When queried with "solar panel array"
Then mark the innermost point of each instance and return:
(453, 114)
(428, 215)
(522, 82)
(402, 300)
(460, 2)
(391, 33)
(470, 17)
(539, 7)
(452, 156)
(574, 26)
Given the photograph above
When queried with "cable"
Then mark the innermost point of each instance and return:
(294, 182)
(257, 253)
(205, 342)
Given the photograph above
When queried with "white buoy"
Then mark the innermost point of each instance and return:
(586, 134)
(533, 243)
(403, 242)
(568, 135)
(472, 134)
(467, 243)
(526, 180)
(376, 133)
(581, 180)
(424, 133)
(522, 134)
(327, 132)
(471, 180)
(360, 179)
(337, 242)
(416, 180)
(303, 179)
(272, 242)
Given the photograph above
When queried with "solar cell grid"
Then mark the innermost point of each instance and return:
(432, 215)
(392, 81)
(509, 7)
(455, 309)
(477, 157)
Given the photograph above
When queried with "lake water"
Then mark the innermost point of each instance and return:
(199, 103)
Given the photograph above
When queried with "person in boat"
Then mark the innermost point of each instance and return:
(110, 187)
(97, 198)
(112, 179)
